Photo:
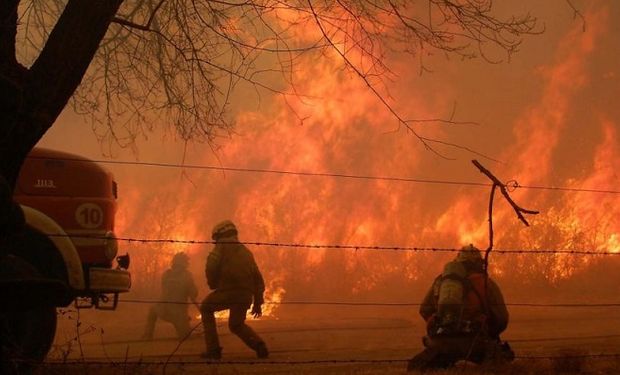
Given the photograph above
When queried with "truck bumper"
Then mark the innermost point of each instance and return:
(106, 280)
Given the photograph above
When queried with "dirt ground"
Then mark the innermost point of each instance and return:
(326, 340)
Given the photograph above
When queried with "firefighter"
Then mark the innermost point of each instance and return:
(237, 283)
(465, 314)
(178, 288)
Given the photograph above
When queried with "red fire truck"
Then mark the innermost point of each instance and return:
(68, 244)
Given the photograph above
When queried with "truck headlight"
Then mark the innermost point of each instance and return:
(111, 246)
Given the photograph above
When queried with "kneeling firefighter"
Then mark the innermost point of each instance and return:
(465, 314)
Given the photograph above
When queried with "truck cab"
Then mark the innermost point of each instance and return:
(57, 247)
(72, 201)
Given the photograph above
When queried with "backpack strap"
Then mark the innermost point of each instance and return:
(469, 286)
(483, 300)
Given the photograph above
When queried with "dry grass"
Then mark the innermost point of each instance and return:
(566, 363)
(569, 361)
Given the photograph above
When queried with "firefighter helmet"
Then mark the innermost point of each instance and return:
(224, 229)
(180, 260)
(469, 253)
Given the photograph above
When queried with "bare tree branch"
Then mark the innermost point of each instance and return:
(180, 62)
(577, 14)
(518, 210)
(490, 247)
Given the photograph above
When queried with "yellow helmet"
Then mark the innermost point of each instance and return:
(469, 253)
(223, 230)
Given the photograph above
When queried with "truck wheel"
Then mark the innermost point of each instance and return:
(28, 335)
(27, 330)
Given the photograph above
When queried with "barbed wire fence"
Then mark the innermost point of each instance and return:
(511, 186)
(182, 360)
(389, 304)
(340, 246)
(172, 359)
(189, 359)
(325, 361)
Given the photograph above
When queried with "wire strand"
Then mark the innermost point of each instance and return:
(326, 174)
(337, 246)
(386, 304)
(140, 360)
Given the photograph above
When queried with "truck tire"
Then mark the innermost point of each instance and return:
(27, 328)
(28, 335)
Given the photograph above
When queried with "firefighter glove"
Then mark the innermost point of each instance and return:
(257, 310)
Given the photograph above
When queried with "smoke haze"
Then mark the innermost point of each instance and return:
(548, 117)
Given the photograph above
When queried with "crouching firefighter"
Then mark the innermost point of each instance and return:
(465, 314)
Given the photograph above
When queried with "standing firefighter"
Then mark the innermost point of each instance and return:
(465, 313)
(236, 282)
(178, 288)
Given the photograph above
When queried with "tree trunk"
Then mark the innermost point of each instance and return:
(32, 99)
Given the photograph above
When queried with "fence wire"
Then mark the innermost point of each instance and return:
(511, 184)
(339, 246)
(387, 304)
(141, 360)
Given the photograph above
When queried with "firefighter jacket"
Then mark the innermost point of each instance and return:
(495, 310)
(177, 285)
(231, 268)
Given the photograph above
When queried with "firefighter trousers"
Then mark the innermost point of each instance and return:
(179, 320)
(444, 352)
(238, 304)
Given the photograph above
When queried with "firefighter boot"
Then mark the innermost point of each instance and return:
(261, 350)
(212, 355)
